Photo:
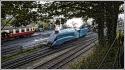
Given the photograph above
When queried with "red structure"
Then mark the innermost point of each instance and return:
(13, 33)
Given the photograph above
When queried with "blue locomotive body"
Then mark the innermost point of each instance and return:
(65, 35)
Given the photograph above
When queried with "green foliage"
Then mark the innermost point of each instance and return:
(20, 11)
(43, 24)
(15, 7)
(40, 26)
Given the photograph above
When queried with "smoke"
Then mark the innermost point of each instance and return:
(74, 22)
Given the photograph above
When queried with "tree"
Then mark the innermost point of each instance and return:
(105, 12)
(112, 11)
(19, 11)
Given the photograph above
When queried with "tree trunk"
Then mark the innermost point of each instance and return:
(111, 21)
(101, 39)
(100, 21)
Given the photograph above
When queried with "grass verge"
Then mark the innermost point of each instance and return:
(93, 60)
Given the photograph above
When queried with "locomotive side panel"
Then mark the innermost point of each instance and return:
(83, 32)
(60, 39)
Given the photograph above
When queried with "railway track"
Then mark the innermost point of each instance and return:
(37, 63)
(36, 55)
(68, 59)
(13, 49)
(17, 49)
(10, 50)
(67, 56)
(18, 40)
(6, 64)
(45, 60)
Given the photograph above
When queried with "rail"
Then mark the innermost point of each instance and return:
(19, 48)
(39, 54)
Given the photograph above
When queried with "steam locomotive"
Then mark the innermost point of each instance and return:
(67, 34)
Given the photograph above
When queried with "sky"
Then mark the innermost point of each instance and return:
(43, 2)
(122, 16)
